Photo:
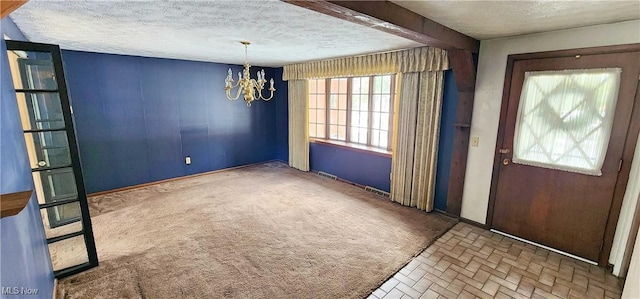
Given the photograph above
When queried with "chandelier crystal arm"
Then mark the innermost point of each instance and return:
(237, 96)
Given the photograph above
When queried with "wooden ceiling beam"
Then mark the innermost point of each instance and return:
(8, 6)
(395, 19)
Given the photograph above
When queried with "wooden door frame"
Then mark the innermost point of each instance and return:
(629, 143)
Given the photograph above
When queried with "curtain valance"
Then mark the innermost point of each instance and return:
(405, 61)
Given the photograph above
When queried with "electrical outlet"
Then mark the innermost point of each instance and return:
(187, 160)
(475, 140)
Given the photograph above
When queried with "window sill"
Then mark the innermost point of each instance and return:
(354, 146)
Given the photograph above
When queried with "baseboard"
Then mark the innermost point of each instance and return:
(339, 179)
(179, 178)
(446, 213)
(474, 223)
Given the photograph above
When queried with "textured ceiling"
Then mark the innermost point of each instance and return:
(280, 33)
(493, 19)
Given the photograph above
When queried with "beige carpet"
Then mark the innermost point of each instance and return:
(264, 231)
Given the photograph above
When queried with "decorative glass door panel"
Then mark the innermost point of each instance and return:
(564, 119)
(47, 123)
(44, 111)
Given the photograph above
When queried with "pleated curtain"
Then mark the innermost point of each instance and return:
(415, 153)
(298, 125)
(404, 61)
(415, 147)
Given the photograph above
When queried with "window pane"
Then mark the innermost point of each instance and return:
(60, 257)
(384, 142)
(377, 84)
(312, 101)
(58, 216)
(355, 118)
(386, 103)
(58, 230)
(312, 116)
(335, 83)
(342, 117)
(312, 130)
(321, 101)
(339, 85)
(44, 110)
(384, 121)
(564, 119)
(333, 103)
(51, 149)
(376, 102)
(321, 131)
(376, 120)
(342, 132)
(321, 116)
(333, 132)
(362, 136)
(55, 185)
(364, 85)
(375, 138)
(342, 101)
(355, 85)
(37, 73)
(321, 86)
(386, 84)
(355, 102)
(343, 85)
(313, 86)
(334, 117)
(364, 103)
(364, 119)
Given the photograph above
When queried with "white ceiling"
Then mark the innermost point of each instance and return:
(484, 19)
(281, 33)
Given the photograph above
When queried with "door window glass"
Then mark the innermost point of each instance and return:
(40, 111)
(564, 119)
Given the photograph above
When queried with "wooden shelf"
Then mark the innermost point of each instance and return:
(12, 203)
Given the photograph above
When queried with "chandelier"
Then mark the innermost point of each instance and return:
(251, 88)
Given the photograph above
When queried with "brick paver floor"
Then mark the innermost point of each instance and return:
(469, 262)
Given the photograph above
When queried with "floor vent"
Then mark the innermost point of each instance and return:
(377, 191)
(327, 175)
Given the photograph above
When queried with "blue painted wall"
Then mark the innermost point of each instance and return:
(24, 260)
(445, 147)
(356, 166)
(138, 118)
(282, 117)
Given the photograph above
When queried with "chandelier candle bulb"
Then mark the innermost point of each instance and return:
(251, 88)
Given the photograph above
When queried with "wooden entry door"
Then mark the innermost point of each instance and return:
(556, 173)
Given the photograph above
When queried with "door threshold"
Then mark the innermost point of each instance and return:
(545, 247)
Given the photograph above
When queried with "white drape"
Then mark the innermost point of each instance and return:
(416, 149)
(564, 119)
(298, 125)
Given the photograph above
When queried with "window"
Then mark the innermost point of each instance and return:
(355, 110)
(565, 118)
